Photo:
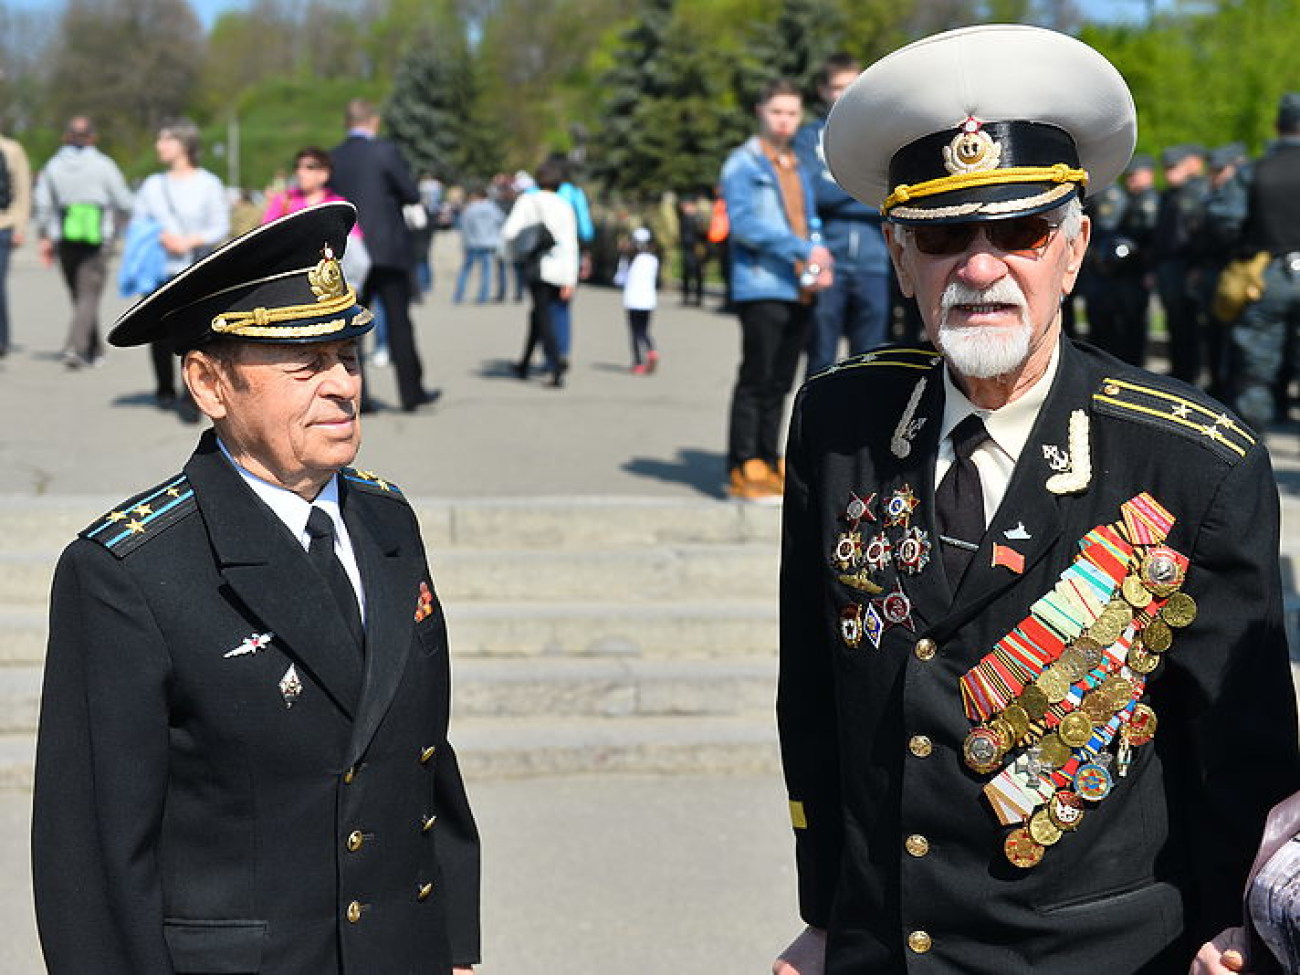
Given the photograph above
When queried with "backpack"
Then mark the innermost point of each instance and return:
(6, 187)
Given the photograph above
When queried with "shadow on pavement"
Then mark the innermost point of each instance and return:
(701, 469)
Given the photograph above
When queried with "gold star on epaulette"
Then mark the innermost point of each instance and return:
(143, 509)
(1182, 410)
(135, 527)
(117, 516)
(173, 492)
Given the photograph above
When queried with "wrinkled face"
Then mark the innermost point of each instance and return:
(988, 309)
(289, 413)
(779, 118)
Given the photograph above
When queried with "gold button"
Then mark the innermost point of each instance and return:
(920, 746)
(917, 845)
(427, 822)
(356, 839)
(919, 942)
(925, 648)
(354, 912)
(423, 893)
(426, 754)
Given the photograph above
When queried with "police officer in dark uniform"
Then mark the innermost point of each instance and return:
(1118, 265)
(1262, 333)
(1178, 255)
(1225, 216)
(242, 763)
(1034, 695)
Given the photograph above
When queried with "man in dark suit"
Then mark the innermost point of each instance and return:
(243, 762)
(371, 172)
(1034, 697)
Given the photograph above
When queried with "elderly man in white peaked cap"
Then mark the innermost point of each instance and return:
(1034, 695)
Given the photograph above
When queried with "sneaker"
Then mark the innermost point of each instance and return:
(751, 481)
(640, 369)
(776, 475)
(651, 360)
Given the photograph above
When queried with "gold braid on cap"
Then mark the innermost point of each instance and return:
(1060, 173)
(332, 297)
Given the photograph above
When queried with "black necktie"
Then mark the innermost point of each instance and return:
(320, 526)
(959, 500)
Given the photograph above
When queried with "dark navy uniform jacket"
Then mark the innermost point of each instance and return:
(192, 812)
(899, 854)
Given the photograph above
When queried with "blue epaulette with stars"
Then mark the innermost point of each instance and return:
(145, 516)
(1169, 409)
(370, 481)
(919, 358)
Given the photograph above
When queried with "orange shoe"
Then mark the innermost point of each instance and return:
(752, 481)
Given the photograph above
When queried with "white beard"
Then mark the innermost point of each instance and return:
(982, 352)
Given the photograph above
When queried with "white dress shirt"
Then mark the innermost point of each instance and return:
(294, 512)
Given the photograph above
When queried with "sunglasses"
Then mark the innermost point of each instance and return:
(1025, 236)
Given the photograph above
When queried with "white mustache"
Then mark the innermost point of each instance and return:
(1002, 292)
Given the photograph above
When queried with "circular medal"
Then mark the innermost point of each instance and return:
(879, 552)
(1016, 716)
(1092, 782)
(1096, 706)
(1180, 610)
(1117, 692)
(1055, 752)
(1106, 629)
(1022, 849)
(1006, 733)
(848, 550)
(1090, 650)
(982, 750)
(1072, 662)
(1041, 828)
(1157, 637)
(1141, 727)
(1162, 570)
(1075, 729)
(896, 607)
(1140, 660)
(1066, 810)
(857, 509)
(913, 551)
(1034, 701)
(899, 507)
(1054, 684)
(1138, 595)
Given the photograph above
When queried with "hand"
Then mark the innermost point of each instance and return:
(566, 292)
(17, 238)
(1224, 955)
(46, 250)
(806, 954)
(584, 267)
(177, 243)
(820, 255)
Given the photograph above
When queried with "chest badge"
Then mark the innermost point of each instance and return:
(251, 645)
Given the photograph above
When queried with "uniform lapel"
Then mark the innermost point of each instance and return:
(269, 572)
(391, 580)
(1029, 508)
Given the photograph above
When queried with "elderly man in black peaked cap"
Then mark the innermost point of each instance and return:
(1034, 694)
(243, 761)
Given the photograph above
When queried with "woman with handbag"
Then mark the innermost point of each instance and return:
(190, 204)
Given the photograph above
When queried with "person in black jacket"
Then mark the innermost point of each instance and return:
(242, 762)
(1034, 697)
(371, 172)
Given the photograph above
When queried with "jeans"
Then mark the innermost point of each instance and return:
(855, 306)
(772, 335)
(480, 257)
(6, 244)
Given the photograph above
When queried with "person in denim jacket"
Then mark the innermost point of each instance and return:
(778, 263)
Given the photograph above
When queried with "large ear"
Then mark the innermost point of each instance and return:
(896, 254)
(205, 377)
(1074, 254)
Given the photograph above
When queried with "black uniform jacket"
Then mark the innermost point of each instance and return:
(223, 782)
(899, 853)
(373, 175)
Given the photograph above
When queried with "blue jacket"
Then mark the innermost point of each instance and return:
(850, 229)
(764, 247)
(144, 259)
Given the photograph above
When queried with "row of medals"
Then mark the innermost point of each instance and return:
(1019, 723)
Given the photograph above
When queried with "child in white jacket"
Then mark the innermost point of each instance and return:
(640, 286)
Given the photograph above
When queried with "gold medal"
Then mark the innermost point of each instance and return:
(1022, 849)
(1157, 637)
(1054, 751)
(1116, 691)
(1141, 727)
(1140, 660)
(1054, 684)
(1075, 729)
(1138, 595)
(1065, 810)
(1073, 663)
(1018, 719)
(1180, 610)
(1090, 650)
(1042, 830)
(1034, 701)
(1096, 706)
(1106, 630)
(1005, 732)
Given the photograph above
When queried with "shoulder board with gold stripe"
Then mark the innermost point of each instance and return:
(899, 357)
(1166, 409)
(370, 481)
(144, 517)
